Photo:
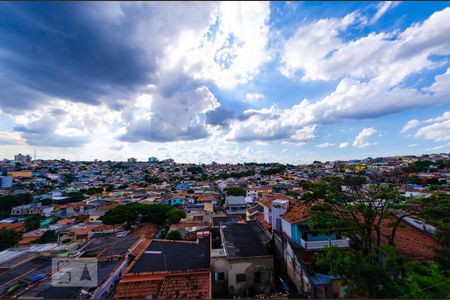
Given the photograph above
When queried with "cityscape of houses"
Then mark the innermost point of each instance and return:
(202, 231)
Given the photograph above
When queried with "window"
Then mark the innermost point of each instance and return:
(257, 277)
(220, 276)
(240, 277)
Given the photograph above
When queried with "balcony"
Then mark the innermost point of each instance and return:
(318, 245)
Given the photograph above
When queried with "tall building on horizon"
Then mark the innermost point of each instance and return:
(153, 159)
(22, 158)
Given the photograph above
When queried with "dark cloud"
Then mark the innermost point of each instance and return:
(57, 49)
(85, 52)
(220, 116)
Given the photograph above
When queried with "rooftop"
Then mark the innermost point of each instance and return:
(297, 214)
(163, 255)
(109, 245)
(411, 242)
(225, 220)
(245, 240)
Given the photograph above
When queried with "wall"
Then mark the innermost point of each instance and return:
(320, 237)
(267, 217)
(247, 266)
(286, 227)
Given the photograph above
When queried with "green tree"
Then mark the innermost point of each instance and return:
(363, 275)
(173, 235)
(46, 201)
(235, 191)
(8, 202)
(69, 177)
(361, 210)
(108, 187)
(175, 215)
(50, 236)
(271, 171)
(135, 213)
(424, 281)
(9, 238)
(32, 222)
(443, 252)
(75, 197)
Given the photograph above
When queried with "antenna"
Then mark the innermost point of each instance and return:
(34, 158)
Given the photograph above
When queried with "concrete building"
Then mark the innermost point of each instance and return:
(22, 158)
(166, 269)
(153, 159)
(243, 265)
(235, 205)
(28, 209)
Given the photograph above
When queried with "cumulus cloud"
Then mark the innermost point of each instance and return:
(219, 116)
(41, 132)
(435, 129)
(438, 131)
(344, 145)
(232, 51)
(172, 114)
(361, 140)
(385, 57)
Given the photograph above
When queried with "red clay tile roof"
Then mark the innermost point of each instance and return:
(139, 289)
(168, 285)
(206, 198)
(260, 220)
(267, 198)
(190, 224)
(16, 226)
(148, 231)
(410, 242)
(297, 214)
(186, 286)
(28, 239)
(65, 221)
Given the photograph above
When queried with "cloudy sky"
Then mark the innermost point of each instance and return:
(226, 82)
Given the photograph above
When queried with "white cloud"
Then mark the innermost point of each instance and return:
(361, 139)
(325, 145)
(412, 145)
(386, 58)
(253, 97)
(344, 145)
(302, 51)
(383, 7)
(233, 48)
(439, 147)
(410, 124)
(438, 131)
(10, 137)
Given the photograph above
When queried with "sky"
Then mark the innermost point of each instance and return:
(288, 82)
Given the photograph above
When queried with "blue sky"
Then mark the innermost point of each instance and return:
(227, 82)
